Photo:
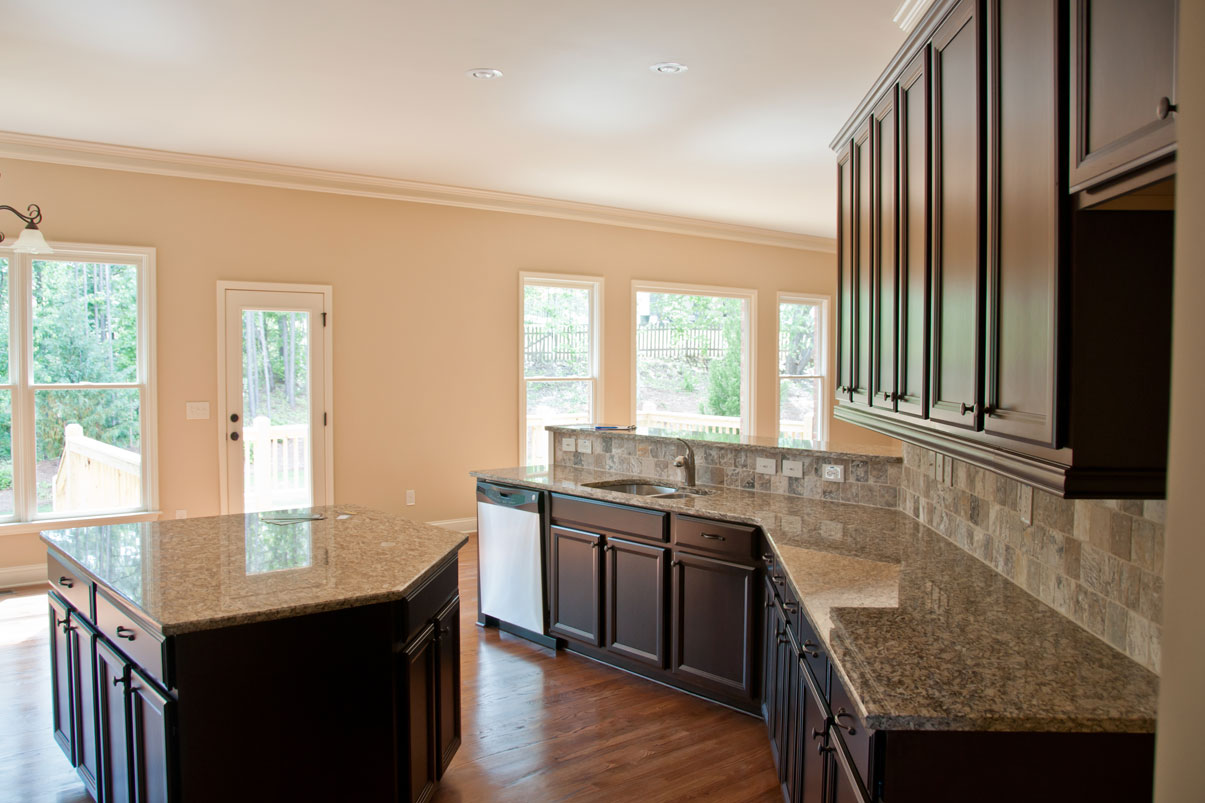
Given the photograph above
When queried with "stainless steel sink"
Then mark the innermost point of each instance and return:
(638, 488)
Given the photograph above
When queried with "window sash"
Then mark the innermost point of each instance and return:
(820, 303)
(24, 389)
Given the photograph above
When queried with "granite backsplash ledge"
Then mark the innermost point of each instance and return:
(870, 479)
(1098, 562)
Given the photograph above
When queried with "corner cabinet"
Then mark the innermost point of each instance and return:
(985, 311)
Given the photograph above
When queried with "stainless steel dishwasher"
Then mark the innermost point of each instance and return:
(510, 563)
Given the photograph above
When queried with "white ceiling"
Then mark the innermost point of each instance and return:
(378, 87)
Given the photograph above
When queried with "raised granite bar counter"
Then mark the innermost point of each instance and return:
(923, 635)
(197, 574)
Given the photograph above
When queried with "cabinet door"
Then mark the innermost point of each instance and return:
(418, 756)
(813, 762)
(772, 627)
(863, 252)
(83, 676)
(152, 723)
(885, 267)
(635, 601)
(60, 678)
(574, 588)
(1024, 214)
(957, 261)
(1123, 61)
(112, 677)
(784, 695)
(843, 379)
(447, 628)
(713, 621)
(912, 392)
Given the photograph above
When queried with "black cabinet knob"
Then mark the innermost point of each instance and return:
(1164, 108)
(966, 408)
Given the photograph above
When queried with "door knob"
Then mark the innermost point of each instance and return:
(233, 436)
(234, 418)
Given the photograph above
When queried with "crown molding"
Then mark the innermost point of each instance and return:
(78, 153)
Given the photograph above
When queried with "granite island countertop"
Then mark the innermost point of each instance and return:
(923, 635)
(196, 574)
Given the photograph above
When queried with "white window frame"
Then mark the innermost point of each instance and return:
(25, 517)
(823, 404)
(595, 284)
(748, 336)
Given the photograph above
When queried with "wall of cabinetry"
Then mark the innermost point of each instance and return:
(997, 294)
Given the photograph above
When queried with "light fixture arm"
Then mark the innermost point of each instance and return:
(32, 219)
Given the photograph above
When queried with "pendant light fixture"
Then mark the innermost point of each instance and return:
(31, 240)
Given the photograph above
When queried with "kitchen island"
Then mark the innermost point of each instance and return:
(894, 666)
(241, 658)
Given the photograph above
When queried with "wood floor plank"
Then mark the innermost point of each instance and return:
(538, 725)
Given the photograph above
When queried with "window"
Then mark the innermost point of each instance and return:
(561, 323)
(77, 393)
(693, 358)
(802, 397)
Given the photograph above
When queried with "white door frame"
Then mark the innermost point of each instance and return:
(327, 381)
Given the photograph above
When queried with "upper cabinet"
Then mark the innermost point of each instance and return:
(990, 303)
(1122, 88)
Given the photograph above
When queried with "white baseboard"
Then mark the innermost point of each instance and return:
(468, 525)
(13, 576)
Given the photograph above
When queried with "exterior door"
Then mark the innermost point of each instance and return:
(275, 426)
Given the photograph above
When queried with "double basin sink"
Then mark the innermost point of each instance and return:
(638, 488)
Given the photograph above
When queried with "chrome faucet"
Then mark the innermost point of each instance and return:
(687, 463)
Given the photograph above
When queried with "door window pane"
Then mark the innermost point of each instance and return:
(87, 450)
(85, 322)
(276, 410)
(554, 403)
(556, 331)
(690, 351)
(798, 418)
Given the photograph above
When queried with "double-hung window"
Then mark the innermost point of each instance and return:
(802, 376)
(77, 390)
(560, 332)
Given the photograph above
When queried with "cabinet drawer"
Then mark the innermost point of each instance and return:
(613, 518)
(848, 725)
(119, 626)
(733, 541)
(810, 648)
(71, 584)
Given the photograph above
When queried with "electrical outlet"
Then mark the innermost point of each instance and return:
(196, 411)
(568, 445)
(181, 514)
(410, 497)
(834, 473)
(585, 445)
(792, 468)
(767, 465)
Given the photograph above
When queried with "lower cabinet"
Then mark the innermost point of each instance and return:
(82, 637)
(634, 602)
(432, 702)
(574, 587)
(447, 725)
(712, 614)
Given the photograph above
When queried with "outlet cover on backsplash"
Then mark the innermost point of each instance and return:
(568, 445)
(767, 465)
(585, 445)
(792, 468)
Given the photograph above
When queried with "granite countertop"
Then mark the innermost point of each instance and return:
(923, 635)
(204, 573)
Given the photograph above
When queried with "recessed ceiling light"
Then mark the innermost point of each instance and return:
(668, 67)
(484, 73)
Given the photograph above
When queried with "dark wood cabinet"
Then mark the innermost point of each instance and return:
(419, 715)
(152, 724)
(574, 588)
(1122, 88)
(447, 641)
(957, 268)
(635, 600)
(83, 692)
(60, 678)
(112, 678)
(712, 615)
(994, 281)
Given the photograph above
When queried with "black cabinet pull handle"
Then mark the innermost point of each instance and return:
(66, 582)
(816, 734)
(811, 648)
(714, 537)
(790, 607)
(768, 557)
(966, 408)
(594, 545)
(675, 563)
(1165, 108)
(120, 679)
(777, 580)
(782, 639)
(770, 603)
(125, 633)
(837, 721)
(822, 748)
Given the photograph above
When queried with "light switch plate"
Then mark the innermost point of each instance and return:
(792, 468)
(410, 497)
(568, 445)
(1026, 504)
(767, 465)
(834, 473)
(196, 411)
(585, 445)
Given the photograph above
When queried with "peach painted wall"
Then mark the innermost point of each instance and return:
(425, 317)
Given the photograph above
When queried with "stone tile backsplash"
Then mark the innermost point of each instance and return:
(1100, 563)
(869, 480)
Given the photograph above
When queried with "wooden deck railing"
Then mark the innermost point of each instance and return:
(276, 465)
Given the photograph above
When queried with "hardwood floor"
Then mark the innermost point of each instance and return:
(537, 725)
